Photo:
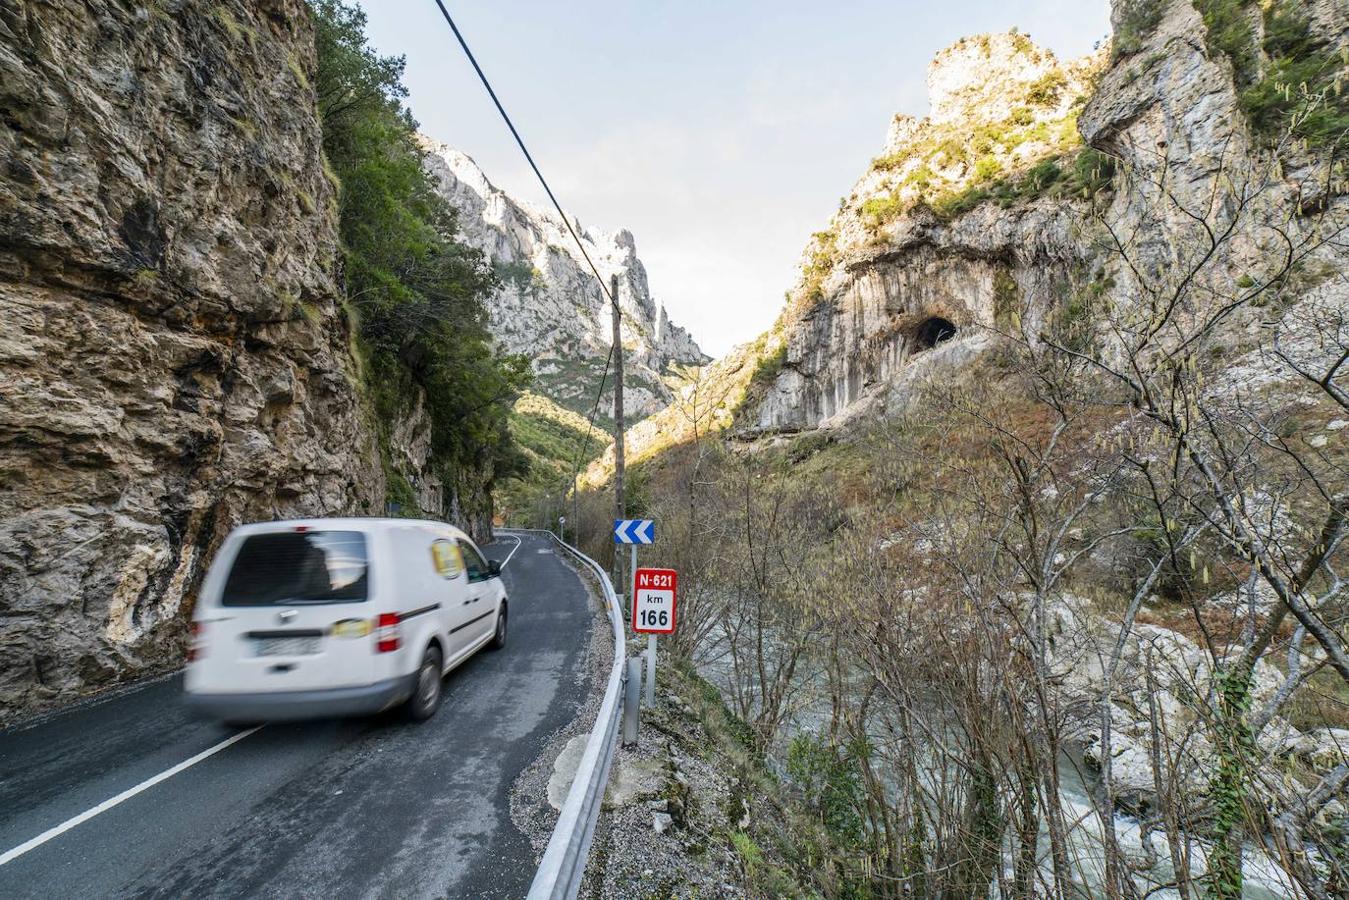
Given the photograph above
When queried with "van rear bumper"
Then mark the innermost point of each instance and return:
(362, 700)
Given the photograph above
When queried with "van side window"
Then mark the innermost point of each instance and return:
(473, 562)
(446, 557)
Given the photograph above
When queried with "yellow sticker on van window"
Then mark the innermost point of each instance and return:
(448, 561)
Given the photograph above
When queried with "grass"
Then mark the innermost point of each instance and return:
(1320, 703)
(1079, 175)
(398, 490)
(1016, 159)
(298, 71)
(823, 254)
(1006, 300)
(551, 437)
(769, 367)
(778, 827)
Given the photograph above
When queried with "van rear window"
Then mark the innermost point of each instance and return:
(287, 567)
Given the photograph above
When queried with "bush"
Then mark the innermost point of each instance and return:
(1090, 173)
(1229, 30)
(1046, 90)
(828, 778)
(1300, 94)
(768, 367)
(1138, 20)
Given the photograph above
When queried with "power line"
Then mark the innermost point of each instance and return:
(604, 289)
(482, 76)
(590, 425)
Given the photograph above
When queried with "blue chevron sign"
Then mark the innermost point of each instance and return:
(634, 531)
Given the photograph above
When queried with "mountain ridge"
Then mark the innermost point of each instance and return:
(549, 306)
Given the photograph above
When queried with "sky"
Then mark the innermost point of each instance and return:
(721, 134)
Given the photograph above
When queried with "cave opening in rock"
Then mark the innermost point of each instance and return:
(933, 331)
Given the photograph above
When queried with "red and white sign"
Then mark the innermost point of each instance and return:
(653, 601)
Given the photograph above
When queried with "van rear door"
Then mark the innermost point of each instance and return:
(292, 614)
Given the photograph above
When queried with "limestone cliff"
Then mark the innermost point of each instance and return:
(988, 216)
(549, 306)
(173, 356)
(921, 253)
(1002, 203)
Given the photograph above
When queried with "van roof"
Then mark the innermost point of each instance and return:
(365, 524)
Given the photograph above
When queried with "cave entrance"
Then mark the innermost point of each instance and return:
(933, 331)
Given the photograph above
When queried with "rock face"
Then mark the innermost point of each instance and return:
(929, 292)
(173, 359)
(879, 288)
(908, 281)
(550, 307)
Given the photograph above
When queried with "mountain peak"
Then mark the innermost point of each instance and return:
(550, 306)
(984, 74)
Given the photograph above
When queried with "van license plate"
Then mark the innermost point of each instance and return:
(286, 646)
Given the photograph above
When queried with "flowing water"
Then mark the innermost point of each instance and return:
(1150, 853)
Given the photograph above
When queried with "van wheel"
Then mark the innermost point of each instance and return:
(499, 639)
(425, 699)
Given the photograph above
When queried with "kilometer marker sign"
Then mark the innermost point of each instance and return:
(653, 601)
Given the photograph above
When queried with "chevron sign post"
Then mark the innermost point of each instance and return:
(634, 531)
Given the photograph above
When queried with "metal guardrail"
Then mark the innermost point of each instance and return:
(564, 861)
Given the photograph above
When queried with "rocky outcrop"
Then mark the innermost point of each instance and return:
(550, 307)
(979, 211)
(898, 279)
(928, 296)
(1159, 670)
(173, 356)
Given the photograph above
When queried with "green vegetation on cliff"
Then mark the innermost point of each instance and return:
(415, 292)
(1290, 78)
(1025, 147)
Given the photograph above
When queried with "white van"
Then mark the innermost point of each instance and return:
(335, 617)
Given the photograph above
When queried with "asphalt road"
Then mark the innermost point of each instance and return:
(355, 808)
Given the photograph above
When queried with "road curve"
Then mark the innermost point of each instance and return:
(357, 808)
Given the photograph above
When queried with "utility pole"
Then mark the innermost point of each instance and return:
(620, 508)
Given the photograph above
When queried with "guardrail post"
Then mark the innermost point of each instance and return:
(651, 670)
(631, 700)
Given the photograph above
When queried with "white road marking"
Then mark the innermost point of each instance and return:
(512, 553)
(44, 837)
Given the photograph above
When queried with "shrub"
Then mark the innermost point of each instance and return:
(766, 372)
(1300, 95)
(1229, 30)
(987, 168)
(1046, 90)
(828, 778)
(1138, 19)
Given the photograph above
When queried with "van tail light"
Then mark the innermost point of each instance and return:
(196, 649)
(388, 633)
